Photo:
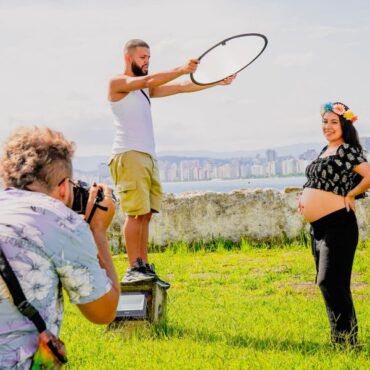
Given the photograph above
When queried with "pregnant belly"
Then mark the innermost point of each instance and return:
(318, 203)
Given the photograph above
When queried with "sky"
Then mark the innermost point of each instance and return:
(57, 57)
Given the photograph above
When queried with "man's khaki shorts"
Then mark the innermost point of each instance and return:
(136, 177)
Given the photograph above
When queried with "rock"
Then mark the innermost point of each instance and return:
(256, 214)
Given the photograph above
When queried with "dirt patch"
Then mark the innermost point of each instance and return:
(265, 270)
(294, 253)
(361, 297)
(280, 269)
(307, 288)
(304, 285)
(310, 288)
(259, 272)
(359, 285)
(205, 275)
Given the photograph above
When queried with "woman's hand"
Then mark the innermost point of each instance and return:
(350, 203)
(300, 206)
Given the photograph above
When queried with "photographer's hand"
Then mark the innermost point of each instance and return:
(99, 226)
(101, 219)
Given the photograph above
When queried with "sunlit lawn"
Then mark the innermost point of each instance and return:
(249, 309)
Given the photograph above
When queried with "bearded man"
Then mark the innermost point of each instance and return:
(133, 166)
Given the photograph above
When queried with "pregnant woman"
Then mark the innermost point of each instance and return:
(338, 176)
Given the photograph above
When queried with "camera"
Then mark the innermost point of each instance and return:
(81, 196)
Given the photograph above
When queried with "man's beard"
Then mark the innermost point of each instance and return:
(137, 71)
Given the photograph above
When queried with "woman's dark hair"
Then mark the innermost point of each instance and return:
(350, 135)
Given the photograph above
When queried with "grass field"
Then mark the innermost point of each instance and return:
(230, 309)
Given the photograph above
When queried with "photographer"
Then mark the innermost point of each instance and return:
(47, 244)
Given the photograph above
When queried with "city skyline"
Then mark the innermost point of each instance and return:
(182, 169)
(185, 169)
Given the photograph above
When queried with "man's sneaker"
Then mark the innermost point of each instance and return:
(161, 283)
(150, 269)
(137, 273)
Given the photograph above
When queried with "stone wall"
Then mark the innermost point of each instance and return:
(258, 214)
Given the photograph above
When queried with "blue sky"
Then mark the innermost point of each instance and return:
(57, 58)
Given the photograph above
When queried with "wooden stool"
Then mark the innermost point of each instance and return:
(141, 301)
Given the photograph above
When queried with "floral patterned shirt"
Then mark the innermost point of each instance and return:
(335, 172)
(48, 247)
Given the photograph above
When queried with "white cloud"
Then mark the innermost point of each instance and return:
(295, 59)
(323, 31)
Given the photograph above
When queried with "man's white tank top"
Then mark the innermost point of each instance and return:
(134, 125)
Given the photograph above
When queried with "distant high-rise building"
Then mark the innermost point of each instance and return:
(271, 168)
(301, 165)
(289, 166)
(257, 170)
(103, 173)
(309, 155)
(271, 155)
(245, 170)
(365, 141)
(279, 166)
(225, 171)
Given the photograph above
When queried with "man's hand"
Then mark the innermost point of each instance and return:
(101, 219)
(228, 80)
(188, 86)
(190, 67)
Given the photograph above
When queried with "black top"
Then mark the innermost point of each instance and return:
(335, 172)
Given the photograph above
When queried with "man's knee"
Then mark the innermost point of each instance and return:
(144, 219)
(148, 216)
(139, 218)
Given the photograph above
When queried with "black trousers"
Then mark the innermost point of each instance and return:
(334, 241)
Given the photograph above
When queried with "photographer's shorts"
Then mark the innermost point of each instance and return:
(136, 177)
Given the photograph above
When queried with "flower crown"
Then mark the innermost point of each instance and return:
(340, 109)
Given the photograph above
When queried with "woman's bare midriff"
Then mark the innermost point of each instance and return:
(317, 203)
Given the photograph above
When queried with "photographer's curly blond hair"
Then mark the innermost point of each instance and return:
(37, 155)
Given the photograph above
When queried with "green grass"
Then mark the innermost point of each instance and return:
(229, 309)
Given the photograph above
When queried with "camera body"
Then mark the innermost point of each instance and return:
(81, 196)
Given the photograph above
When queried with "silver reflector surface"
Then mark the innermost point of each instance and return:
(228, 57)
